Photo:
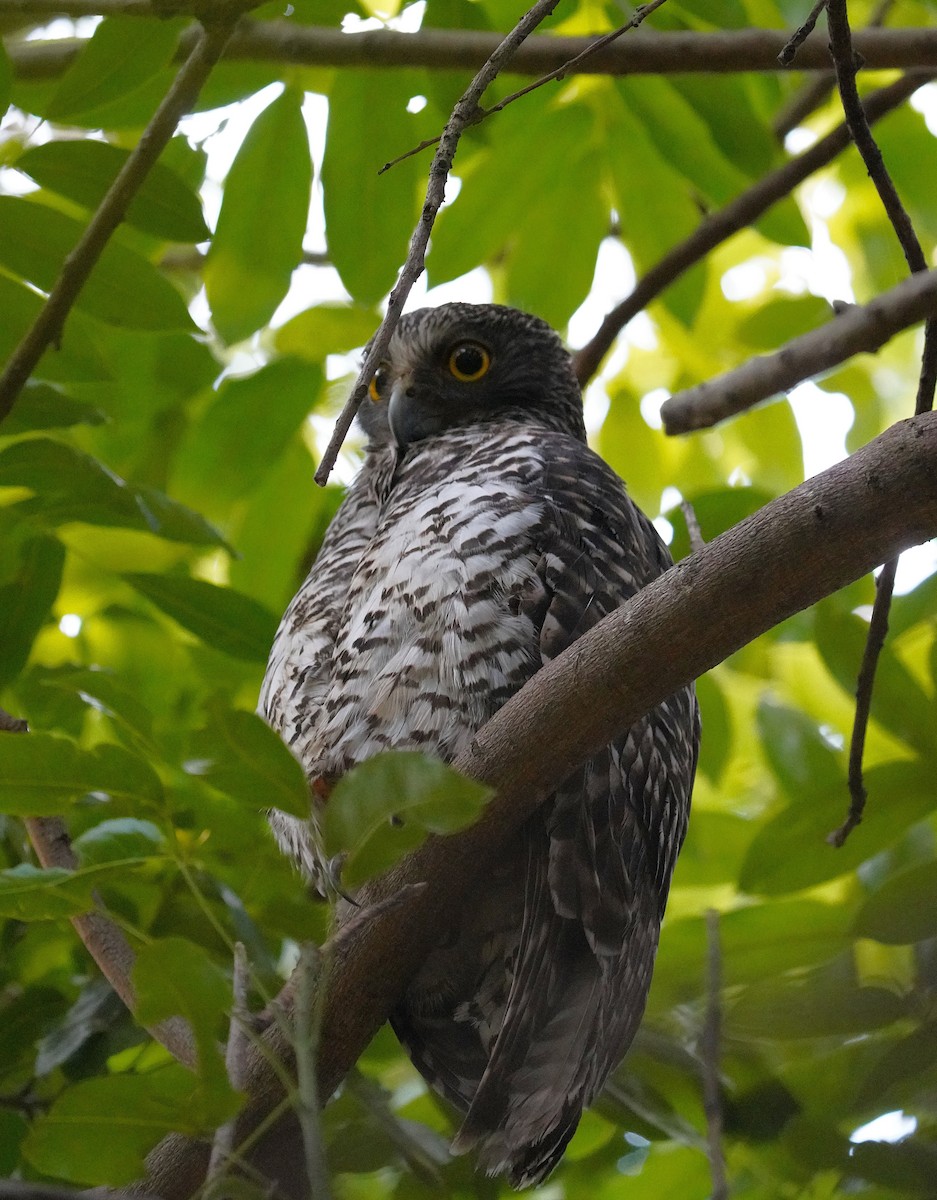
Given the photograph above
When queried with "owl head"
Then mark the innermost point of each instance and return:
(467, 364)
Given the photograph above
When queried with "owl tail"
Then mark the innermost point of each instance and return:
(531, 1097)
(569, 1020)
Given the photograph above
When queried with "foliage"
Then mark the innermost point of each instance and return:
(158, 511)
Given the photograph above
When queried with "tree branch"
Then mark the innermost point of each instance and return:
(465, 113)
(846, 64)
(47, 328)
(858, 330)
(104, 940)
(800, 548)
(737, 215)
(674, 52)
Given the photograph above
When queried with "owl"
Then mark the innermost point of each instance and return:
(480, 538)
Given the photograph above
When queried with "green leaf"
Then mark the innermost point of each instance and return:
(243, 432)
(899, 703)
(40, 406)
(790, 850)
(72, 486)
(122, 55)
(173, 977)
(96, 1011)
(825, 1001)
(239, 754)
(123, 289)
(29, 893)
(102, 691)
(164, 206)
(385, 807)
(77, 358)
(326, 329)
(225, 619)
(369, 217)
(6, 80)
(778, 321)
(903, 909)
(120, 840)
(26, 601)
(128, 1114)
(42, 775)
(259, 238)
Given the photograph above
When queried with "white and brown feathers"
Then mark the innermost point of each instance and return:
(479, 540)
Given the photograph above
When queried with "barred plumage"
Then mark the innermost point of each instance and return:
(479, 540)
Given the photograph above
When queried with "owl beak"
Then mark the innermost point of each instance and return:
(396, 411)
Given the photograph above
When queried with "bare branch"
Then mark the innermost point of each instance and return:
(738, 214)
(807, 544)
(47, 328)
(817, 89)
(857, 330)
(104, 941)
(465, 113)
(673, 52)
(710, 1052)
(786, 57)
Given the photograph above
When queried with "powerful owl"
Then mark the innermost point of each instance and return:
(480, 538)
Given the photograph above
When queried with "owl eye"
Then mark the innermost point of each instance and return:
(469, 361)
(378, 384)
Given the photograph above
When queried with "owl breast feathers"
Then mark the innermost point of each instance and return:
(480, 538)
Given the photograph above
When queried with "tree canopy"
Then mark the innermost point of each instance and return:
(683, 208)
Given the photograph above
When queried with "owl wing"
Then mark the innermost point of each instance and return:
(600, 853)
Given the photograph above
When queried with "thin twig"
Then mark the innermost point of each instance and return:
(801, 105)
(223, 1142)
(786, 57)
(874, 644)
(710, 1048)
(311, 970)
(464, 114)
(860, 329)
(738, 214)
(46, 330)
(846, 64)
(567, 68)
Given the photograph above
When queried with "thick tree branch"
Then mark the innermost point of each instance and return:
(800, 548)
(738, 214)
(650, 54)
(104, 940)
(47, 328)
(858, 330)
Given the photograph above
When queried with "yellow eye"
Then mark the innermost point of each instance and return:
(378, 383)
(469, 361)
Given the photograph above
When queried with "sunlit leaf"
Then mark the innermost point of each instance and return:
(326, 329)
(259, 237)
(83, 171)
(40, 406)
(122, 54)
(123, 289)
